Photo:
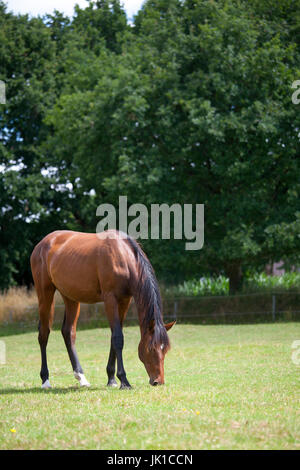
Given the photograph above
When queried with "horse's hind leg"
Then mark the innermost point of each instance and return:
(46, 313)
(69, 334)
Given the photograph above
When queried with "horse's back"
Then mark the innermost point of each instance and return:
(83, 266)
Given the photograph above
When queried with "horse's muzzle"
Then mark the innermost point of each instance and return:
(155, 382)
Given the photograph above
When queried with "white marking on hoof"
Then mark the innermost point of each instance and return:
(112, 384)
(46, 384)
(82, 380)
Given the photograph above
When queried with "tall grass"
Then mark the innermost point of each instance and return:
(15, 301)
(203, 286)
(19, 303)
(261, 281)
(206, 286)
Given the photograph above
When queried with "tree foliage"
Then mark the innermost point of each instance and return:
(189, 104)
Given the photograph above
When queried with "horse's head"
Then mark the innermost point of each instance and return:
(153, 347)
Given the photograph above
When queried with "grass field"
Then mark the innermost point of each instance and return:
(227, 387)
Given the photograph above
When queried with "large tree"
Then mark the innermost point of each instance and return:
(191, 104)
(197, 109)
(27, 68)
(37, 58)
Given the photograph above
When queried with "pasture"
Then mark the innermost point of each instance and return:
(227, 387)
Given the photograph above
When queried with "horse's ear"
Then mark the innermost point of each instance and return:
(169, 325)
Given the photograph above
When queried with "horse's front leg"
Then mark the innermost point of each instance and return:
(118, 344)
(111, 366)
(117, 340)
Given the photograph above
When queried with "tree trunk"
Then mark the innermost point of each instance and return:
(235, 274)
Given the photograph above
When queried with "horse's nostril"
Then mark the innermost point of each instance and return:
(154, 382)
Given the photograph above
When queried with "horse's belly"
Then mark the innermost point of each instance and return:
(76, 281)
(79, 294)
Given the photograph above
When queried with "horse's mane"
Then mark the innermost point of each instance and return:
(148, 299)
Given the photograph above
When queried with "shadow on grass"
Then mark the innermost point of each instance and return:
(18, 329)
(52, 391)
(12, 329)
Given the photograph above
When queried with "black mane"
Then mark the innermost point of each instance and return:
(148, 299)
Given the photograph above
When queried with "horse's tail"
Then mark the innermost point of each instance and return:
(147, 297)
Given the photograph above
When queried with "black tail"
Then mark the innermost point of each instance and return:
(147, 297)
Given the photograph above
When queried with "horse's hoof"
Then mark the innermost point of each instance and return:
(46, 385)
(112, 383)
(125, 386)
(85, 384)
(82, 380)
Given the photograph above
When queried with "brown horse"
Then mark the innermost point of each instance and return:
(109, 267)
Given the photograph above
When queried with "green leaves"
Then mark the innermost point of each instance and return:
(190, 104)
(192, 110)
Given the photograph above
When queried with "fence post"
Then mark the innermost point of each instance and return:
(273, 307)
(175, 310)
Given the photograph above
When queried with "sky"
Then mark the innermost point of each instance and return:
(38, 7)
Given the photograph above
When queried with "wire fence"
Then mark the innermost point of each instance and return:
(274, 306)
(234, 308)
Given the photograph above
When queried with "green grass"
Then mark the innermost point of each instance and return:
(227, 387)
